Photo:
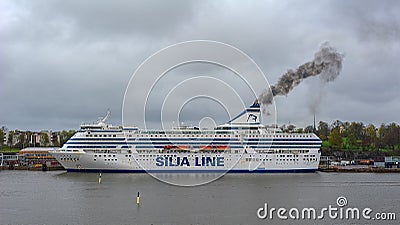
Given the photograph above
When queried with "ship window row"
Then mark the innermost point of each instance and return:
(103, 151)
(69, 159)
(288, 159)
(101, 135)
(183, 135)
(212, 134)
(288, 156)
(104, 156)
(106, 159)
(309, 159)
(290, 152)
(271, 151)
(227, 135)
(110, 160)
(257, 159)
(180, 132)
(282, 158)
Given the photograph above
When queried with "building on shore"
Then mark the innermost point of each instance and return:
(24, 139)
(392, 162)
(11, 160)
(30, 157)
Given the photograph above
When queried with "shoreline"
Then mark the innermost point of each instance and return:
(49, 168)
(321, 169)
(358, 170)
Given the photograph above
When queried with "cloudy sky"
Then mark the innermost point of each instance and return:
(66, 62)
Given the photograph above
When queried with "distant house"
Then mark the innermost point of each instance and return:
(32, 138)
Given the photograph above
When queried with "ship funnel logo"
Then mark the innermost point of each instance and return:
(252, 117)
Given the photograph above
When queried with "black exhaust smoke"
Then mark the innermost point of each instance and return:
(327, 64)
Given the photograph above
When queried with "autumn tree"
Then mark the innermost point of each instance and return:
(323, 130)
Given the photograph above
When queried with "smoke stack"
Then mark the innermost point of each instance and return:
(314, 127)
(327, 64)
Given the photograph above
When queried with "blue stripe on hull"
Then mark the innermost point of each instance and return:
(190, 171)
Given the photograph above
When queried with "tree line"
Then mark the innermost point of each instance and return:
(356, 135)
(345, 136)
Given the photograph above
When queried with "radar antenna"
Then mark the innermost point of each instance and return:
(105, 118)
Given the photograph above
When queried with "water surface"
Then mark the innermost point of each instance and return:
(28, 197)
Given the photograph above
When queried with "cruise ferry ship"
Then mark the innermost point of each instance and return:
(242, 145)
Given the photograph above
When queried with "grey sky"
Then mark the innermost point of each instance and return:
(67, 62)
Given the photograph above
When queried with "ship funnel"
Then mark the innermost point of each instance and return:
(250, 115)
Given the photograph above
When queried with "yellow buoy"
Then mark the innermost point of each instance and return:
(100, 178)
(138, 199)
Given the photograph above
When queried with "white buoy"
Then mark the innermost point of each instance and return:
(138, 199)
(100, 178)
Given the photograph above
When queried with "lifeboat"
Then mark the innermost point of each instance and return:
(182, 147)
(177, 148)
(207, 148)
(215, 148)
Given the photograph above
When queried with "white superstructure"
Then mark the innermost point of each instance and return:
(243, 145)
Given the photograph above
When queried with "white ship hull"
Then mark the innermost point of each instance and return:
(239, 146)
(233, 163)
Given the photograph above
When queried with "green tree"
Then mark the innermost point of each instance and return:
(44, 139)
(381, 137)
(65, 135)
(22, 140)
(337, 124)
(309, 129)
(335, 139)
(357, 129)
(351, 141)
(10, 138)
(371, 139)
(290, 128)
(392, 137)
(2, 133)
(55, 141)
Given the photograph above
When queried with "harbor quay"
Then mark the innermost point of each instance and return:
(32, 158)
